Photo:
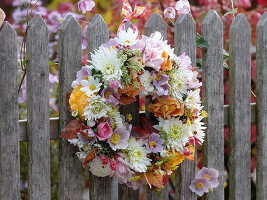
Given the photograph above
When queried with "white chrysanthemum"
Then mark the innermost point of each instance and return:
(146, 81)
(127, 38)
(96, 108)
(179, 83)
(76, 142)
(98, 169)
(107, 61)
(174, 132)
(115, 117)
(90, 86)
(198, 128)
(192, 100)
(137, 155)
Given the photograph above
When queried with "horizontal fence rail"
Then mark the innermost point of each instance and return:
(38, 129)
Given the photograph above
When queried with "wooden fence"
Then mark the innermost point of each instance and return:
(238, 115)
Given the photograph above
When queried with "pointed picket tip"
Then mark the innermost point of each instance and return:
(185, 18)
(128, 24)
(240, 23)
(97, 21)
(7, 30)
(154, 18)
(263, 21)
(37, 22)
(156, 23)
(211, 18)
(69, 23)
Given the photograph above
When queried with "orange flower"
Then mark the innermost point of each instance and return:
(127, 95)
(78, 101)
(167, 64)
(173, 160)
(166, 106)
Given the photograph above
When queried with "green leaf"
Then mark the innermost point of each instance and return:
(231, 12)
(199, 62)
(50, 62)
(201, 43)
(225, 55)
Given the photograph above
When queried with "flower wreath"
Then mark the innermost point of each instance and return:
(119, 71)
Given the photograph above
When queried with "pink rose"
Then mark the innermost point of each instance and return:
(104, 131)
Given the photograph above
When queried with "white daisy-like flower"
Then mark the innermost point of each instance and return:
(127, 38)
(76, 142)
(179, 83)
(98, 169)
(90, 86)
(198, 128)
(107, 61)
(193, 99)
(174, 132)
(146, 81)
(136, 155)
(115, 117)
(96, 108)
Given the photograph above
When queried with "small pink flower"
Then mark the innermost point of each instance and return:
(86, 5)
(169, 13)
(104, 159)
(186, 151)
(200, 185)
(182, 6)
(114, 83)
(104, 131)
(113, 165)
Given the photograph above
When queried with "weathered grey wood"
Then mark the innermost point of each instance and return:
(185, 42)
(239, 113)
(155, 23)
(261, 180)
(70, 53)
(38, 110)
(185, 36)
(98, 33)
(9, 137)
(213, 95)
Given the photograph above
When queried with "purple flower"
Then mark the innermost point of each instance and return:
(87, 136)
(160, 81)
(152, 57)
(114, 84)
(200, 185)
(154, 143)
(211, 174)
(119, 138)
(85, 71)
(182, 6)
(111, 43)
(86, 5)
(169, 13)
(184, 61)
(110, 95)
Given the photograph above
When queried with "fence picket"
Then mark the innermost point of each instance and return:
(213, 98)
(185, 42)
(240, 113)
(156, 23)
(70, 56)
(38, 110)
(98, 33)
(9, 137)
(261, 180)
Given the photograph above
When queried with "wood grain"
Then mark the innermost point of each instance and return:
(98, 33)
(155, 23)
(9, 137)
(185, 42)
(38, 109)
(239, 105)
(70, 56)
(213, 98)
(261, 180)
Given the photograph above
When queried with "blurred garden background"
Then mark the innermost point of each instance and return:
(54, 11)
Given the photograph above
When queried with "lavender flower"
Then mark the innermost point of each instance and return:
(200, 185)
(211, 174)
(169, 13)
(110, 95)
(154, 143)
(160, 81)
(119, 138)
(86, 5)
(85, 71)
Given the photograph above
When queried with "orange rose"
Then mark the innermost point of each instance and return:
(167, 64)
(166, 106)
